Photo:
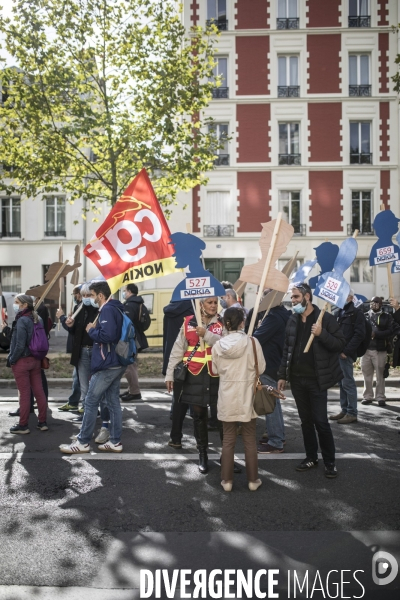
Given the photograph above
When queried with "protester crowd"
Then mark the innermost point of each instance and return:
(212, 365)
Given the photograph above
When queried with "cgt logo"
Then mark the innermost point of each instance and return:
(384, 568)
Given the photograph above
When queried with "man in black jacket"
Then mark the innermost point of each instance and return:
(352, 323)
(311, 374)
(375, 357)
(133, 308)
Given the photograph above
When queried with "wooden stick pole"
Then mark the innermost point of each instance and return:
(199, 322)
(51, 283)
(390, 279)
(319, 320)
(265, 272)
(78, 310)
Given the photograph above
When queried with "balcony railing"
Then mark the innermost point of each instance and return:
(221, 160)
(359, 90)
(361, 159)
(220, 92)
(367, 230)
(58, 233)
(292, 23)
(290, 159)
(288, 91)
(219, 230)
(299, 229)
(221, 24)
(10, 234)
(364, 21)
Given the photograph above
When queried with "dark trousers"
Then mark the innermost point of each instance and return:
(312, 405)
(179, 410)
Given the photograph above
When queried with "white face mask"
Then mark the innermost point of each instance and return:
(93, 303)
(16, 307)
(86, 301)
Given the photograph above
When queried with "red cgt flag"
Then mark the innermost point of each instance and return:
(132, 244)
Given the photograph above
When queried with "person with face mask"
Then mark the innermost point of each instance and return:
(200, 388)
(374, 359)
(311, 374)
(106, 371)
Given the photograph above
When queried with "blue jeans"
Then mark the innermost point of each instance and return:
(274, 422)
(76, 390)
(348, 388)
(103, 383)
(84, 371)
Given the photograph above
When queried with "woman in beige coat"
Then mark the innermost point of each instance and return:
(233, 359)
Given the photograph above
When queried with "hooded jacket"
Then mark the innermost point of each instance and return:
(326, 347)
(106, 336)
(132, 309)
(233, 360)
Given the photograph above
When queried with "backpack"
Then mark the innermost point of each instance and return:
(126, 347)
(39, 344)
(144, 317)
(363, 347)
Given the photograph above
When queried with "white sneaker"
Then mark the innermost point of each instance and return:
(254, 485)
(75, 448)
(104, 436)
(109, 447)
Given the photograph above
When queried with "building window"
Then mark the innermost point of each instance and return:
(10, 217)
(360, 143)
(221, 70)
(289, 144)
(288, 77)
(219, 214)
(10, 279)
(216, 14)
(289, 205)
(359, 15)
(359, 77)
(288, 16)
(219, 131)
(361, 213)
(361, 272)
(55, 216)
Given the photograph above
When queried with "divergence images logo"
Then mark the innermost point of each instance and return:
(384, 568)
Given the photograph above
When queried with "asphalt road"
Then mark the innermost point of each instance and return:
(86, 525)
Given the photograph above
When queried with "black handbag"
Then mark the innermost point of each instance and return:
(181, 369)
(264, 401)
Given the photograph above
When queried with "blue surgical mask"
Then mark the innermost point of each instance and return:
(123, 295)
(223, 303)
(298, 309)
(93, 303)
(75, 301)
(86, 301)
(16, 307)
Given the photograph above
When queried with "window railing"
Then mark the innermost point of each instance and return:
(288, 91)
(221, 160)
(220, 92)
(367, 230)
(359, 90)
(290, 159)
(10, 234)
(219, 230)
(291, 23)
(221, 24)
(363, 158)
(364, 21)
(299, 229)
(58, 233)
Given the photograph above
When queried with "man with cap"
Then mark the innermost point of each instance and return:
(375, 357)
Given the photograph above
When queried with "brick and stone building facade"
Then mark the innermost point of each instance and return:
(307, 100)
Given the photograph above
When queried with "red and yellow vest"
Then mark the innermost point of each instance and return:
(200, 357)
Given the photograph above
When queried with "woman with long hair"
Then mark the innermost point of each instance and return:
(233, 360)
(26, 368)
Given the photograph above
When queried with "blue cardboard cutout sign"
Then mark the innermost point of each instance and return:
(332, 286)
(359, 299)
(326, 254)
(386, 225)
(303, 272)
(198, 283)
(396, 263)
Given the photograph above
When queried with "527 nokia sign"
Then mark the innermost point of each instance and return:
(133, 242)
